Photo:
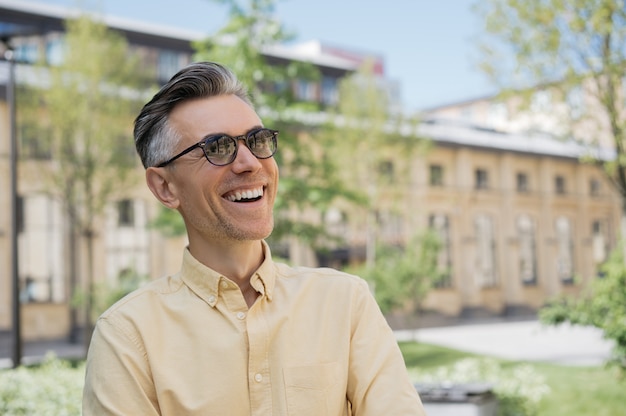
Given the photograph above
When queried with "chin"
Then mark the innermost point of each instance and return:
(260, 233)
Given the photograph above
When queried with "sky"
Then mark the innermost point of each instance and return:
(427, 45)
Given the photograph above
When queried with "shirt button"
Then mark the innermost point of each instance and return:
(241, 315)
(224, 284)
(258, 378)
(211, 299)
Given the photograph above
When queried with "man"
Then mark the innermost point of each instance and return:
(234, 333)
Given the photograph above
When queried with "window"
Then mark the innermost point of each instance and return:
(594, 187)
(485, 261)
(386, 170)
(54, 52)
(527, 250)
(27, 52)
(391, 226)
(125, 213)
(336, 221)
(305, 90)
(482, 179)
(565, 251)
(440, 225)
(435, 177)
(169, 64)
(34, 143)
(599, 241)
(559, 185)
(522, 182)
(42, 272)
(330, 96)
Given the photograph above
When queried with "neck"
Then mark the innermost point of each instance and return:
(237, 261)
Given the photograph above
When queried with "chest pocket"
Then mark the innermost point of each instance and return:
(314, 390)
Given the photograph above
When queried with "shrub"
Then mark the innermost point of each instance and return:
(53, 388)
(603, 306)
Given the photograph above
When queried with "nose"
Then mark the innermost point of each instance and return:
(245, 161)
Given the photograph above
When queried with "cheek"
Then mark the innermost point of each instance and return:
(273, 169)
(194, 198)
(275, 174)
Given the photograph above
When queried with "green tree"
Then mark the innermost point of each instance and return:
(402, 276)
(603, 306)
(83, 114)
(377, 145)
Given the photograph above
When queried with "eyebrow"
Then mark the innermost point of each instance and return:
(210, 135)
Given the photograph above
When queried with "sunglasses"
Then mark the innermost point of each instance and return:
(221, 149)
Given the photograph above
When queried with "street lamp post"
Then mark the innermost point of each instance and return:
(10, 97)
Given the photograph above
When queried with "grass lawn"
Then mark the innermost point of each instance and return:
(575, 391)
(596, 391)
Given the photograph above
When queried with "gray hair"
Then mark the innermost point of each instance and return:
(155, 139)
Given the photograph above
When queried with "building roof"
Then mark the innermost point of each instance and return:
(540, 144)
(43, 10)
(28, 11)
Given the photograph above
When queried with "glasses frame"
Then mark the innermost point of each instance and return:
(245, 137)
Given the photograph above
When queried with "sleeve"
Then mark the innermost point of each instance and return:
(378, 382)
(117, 378)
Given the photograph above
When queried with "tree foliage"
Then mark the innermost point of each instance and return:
(603, 306)
(81, 113)
(374, 146)
(402, 276)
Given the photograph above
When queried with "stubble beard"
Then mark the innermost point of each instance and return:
(227, 229)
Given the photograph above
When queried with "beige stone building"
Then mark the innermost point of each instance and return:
(521, 218)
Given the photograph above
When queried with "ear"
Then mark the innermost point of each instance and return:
(158, 180)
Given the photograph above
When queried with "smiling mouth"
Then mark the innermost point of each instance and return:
(249, 195)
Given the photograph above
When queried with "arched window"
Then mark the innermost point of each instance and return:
(565, 250)
(527, 250)
(441, 226)
(485, 261)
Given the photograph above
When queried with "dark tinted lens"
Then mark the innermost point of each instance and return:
(220, 150)
(262, 143)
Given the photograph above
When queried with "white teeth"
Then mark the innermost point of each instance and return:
(249, 194)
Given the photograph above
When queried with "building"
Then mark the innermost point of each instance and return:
(521, 218)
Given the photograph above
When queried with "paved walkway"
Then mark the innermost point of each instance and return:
(525, 341)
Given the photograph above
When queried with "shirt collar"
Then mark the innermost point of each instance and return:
(205, 282)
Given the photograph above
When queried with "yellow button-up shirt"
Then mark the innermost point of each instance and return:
(314, 343)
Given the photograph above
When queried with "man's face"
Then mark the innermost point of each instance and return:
(222, 203)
